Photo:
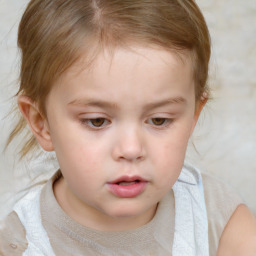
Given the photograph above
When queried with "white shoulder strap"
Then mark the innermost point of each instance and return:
(191, 224)
(28, 210)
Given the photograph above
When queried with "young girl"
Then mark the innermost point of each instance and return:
(115, 88)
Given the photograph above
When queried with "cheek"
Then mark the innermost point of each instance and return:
(84, 156)
(169, 158)
(77, 152)
(81, 167)
(173, 157)
(174, 149)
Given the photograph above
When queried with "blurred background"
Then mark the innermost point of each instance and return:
(224, 142)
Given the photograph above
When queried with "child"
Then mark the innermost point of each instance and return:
(115, 88)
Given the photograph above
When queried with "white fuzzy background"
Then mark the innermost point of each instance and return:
(225, 137)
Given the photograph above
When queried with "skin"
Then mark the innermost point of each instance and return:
(239, 235)
(129, 114)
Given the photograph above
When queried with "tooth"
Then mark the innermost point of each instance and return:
(127, 183)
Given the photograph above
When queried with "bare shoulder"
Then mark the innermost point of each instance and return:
(12, 236)
(239, 235)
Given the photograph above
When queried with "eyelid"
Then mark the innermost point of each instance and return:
(167, 122)
(88, 123)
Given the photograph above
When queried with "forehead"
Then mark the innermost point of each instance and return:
(137, 69)
(112, 59)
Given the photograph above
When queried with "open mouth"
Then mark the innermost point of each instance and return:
(126, 180)
(127, 183)
(127, 187)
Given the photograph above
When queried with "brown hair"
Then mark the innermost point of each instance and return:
(53, 33)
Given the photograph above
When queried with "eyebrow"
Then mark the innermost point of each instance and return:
(111, 105)
(93, 103)
(175, 100)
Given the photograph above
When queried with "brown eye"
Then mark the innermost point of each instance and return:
(158, 121)
(97, 122)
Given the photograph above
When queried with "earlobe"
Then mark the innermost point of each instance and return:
(36, 121)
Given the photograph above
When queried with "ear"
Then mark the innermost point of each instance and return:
(199, 107)
(36, 121)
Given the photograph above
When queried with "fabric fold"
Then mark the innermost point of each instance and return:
(191, 223)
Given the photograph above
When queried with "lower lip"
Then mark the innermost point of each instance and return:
(127, 191)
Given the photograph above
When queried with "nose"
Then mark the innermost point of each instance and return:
(129, 146)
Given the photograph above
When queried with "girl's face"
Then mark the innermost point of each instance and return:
(120, 131)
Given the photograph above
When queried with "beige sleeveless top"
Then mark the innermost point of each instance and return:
(69, 238)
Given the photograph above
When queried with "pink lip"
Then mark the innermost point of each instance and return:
(134, 189)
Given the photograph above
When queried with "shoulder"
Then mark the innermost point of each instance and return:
(239, 236)
(221, 202)
(220, 198)
(12, 236)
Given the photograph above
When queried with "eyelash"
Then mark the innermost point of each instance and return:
(89, 123)
(166, 122)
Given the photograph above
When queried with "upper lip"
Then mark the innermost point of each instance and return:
(127, 179)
